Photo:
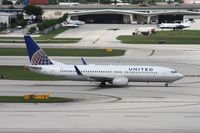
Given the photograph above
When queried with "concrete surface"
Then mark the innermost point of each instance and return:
(98, 33)
(138, 108)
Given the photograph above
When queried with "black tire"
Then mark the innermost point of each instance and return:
(103, 84)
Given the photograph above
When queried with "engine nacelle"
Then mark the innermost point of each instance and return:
(120, 81)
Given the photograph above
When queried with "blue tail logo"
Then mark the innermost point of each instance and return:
(36, 55)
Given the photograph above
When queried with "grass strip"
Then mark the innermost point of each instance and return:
(63, 52)
(168, 37)
(52, 34)
(20, 99)
(22, 73)
(43, 41)
(46, 38)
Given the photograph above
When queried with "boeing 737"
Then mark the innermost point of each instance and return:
(116, 75)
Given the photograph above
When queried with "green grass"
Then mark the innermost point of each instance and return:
(46, 38)
(63, 52)
(170, 37)
(20, 99)
(20, 73)
(52, 34)
(41, 41)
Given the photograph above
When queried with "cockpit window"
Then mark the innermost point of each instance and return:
(173, 71)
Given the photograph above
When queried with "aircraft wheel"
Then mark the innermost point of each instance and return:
(103, 84)
(166, 85)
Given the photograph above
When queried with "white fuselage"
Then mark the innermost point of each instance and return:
(132, 73)
(117, 75)
(174, 25)
(77, 22)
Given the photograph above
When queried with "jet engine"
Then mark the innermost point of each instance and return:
(120, 81)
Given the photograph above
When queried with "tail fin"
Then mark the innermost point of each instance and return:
(36, 55)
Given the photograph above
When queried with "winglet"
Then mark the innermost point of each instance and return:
(77, 70)
(83, 61)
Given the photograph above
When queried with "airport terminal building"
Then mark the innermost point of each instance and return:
(133, 17)
(126, 14)
(131, 14)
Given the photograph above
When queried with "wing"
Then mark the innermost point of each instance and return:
(100, 79)
(93, 78)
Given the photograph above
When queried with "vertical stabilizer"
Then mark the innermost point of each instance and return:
(36, 55)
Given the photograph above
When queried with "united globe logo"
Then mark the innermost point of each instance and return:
(40, 58)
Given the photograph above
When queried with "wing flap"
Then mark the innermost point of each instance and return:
(99, 78)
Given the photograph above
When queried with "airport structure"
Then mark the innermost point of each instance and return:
(130, 14)
(133, 17)
(191, 1)
(127, 14)
(7, 17)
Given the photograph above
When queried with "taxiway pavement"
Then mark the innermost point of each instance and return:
(138, 108)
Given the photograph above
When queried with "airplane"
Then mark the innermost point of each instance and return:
(77, 22)
(174, 26)
(71, 4)
(70, 25)
(116, 75)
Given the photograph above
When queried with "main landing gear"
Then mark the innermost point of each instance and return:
(166, 85)
(103, 84)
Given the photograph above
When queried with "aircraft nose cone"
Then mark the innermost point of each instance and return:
(180, 76)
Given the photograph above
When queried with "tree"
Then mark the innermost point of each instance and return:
(3, 26)
(105, 1)
(63, 18)
(34, 10)
(20, 21)
(32, 29)
(115, 2)
(7, 2)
